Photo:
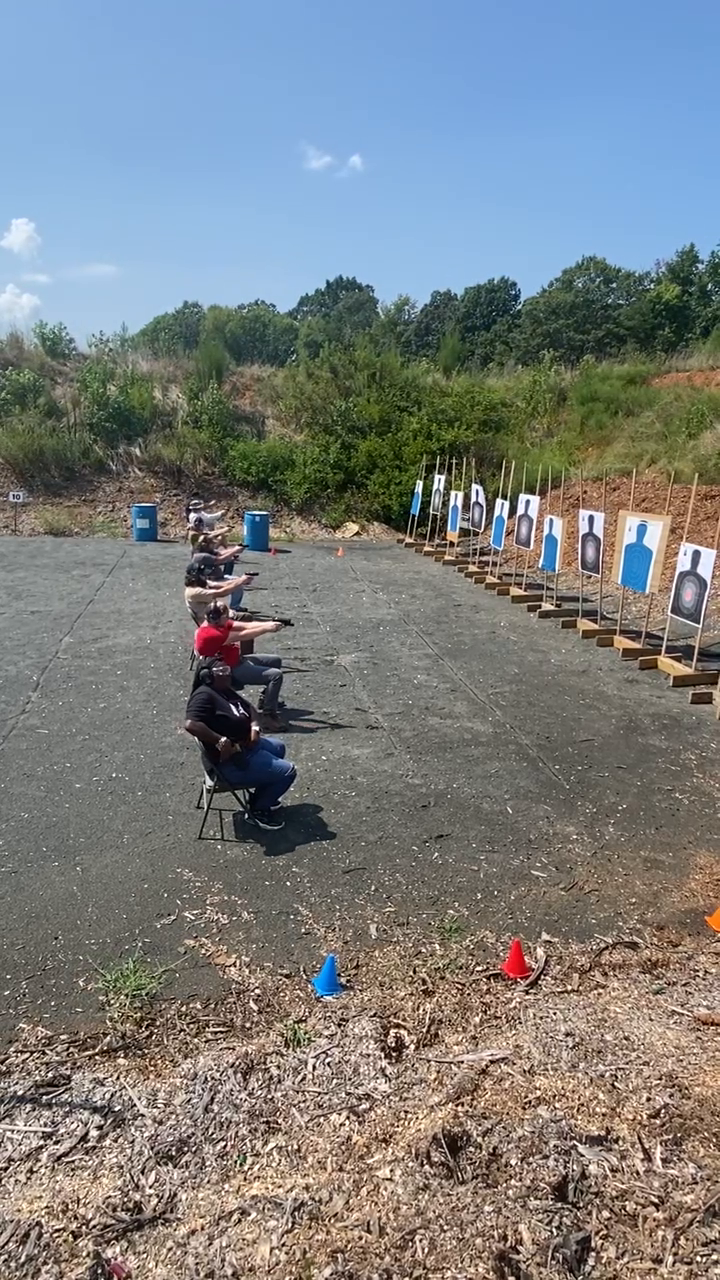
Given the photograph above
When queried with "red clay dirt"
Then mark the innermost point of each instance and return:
(688, 378)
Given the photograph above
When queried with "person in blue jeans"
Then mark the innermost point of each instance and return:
(232, 745)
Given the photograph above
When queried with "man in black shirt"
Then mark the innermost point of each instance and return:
(232, 746)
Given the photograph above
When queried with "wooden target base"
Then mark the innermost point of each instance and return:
(631, 649)
(520, 596)
(681, 676)
(564, 611)
(588, 630)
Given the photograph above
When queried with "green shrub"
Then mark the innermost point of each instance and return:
(22, 390)
(55, 340)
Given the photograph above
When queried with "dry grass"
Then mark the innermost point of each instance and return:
(434, 1122)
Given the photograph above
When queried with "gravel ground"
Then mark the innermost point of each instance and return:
(453, 754)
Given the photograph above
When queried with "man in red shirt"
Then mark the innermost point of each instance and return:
(220, 637)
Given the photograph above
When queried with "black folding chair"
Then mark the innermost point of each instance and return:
(213, 784)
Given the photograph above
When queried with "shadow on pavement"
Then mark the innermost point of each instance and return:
(303, 825)
(314, 722)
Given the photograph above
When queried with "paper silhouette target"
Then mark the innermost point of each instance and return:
(478, 508)
(552, 544)
(438, 490)
(499, 524)
(526, 520)
(640, 551)
(454, 515)
(416, 499)
(591, 541)
(691, 588)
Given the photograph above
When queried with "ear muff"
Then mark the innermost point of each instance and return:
(205, 673)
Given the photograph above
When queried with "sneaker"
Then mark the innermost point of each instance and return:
(272, 720)
(265, 818)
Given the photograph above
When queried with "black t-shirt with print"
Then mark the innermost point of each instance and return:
(225, 713)
(209, 565)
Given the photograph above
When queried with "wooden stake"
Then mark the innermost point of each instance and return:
(517, 549)
(509, 499)
(651, 597)
(602, 551)
(621, 606)
(537, 518)
(413, 526)
(500, 494)
(430, 512)
(442, 502)
(562, 517)
(545, 572)
(698, 638)
(686, 531)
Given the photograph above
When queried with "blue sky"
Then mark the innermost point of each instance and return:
(157, 146)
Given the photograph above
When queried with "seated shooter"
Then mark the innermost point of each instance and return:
(199, 593)
(233, 746)
(221, 636)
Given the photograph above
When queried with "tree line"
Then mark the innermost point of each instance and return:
(592, 309)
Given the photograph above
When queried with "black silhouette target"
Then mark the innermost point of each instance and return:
(690, 591)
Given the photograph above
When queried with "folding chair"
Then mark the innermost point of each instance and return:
(214, 784)
(193, 652)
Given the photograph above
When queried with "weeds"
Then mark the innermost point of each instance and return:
(129, 988)
(106, 527)
(57, 522)
(451, 929)
(296, 1035)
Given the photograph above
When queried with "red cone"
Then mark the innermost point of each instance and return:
(516, 966)
(273, 552)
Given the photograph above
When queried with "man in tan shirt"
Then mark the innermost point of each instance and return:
(199, 593)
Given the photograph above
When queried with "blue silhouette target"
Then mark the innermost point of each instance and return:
(641, 548)
(500, 515)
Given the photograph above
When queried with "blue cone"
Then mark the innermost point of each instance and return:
(327, 982)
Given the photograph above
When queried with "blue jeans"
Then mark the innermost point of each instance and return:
(262, 768)
(236, 598)
(263, 669)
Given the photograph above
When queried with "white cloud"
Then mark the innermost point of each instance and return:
(21, 238)
(315, 159)
(92, 271)
(354, 164)
(17, 307)
(36, 277)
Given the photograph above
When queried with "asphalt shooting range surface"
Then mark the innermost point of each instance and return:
(455, 756)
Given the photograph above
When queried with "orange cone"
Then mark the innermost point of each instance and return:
(340, 552)
(714, 920)
(273, 552)
(516, 966)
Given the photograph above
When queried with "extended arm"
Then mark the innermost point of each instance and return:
(253, 630)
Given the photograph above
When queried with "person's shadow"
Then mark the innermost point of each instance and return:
(314, 723)
(303, 825)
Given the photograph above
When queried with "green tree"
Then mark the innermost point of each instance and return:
(342, 309)
(583, 312)
(257, 333)
(486, 316)
(55, 340)
(174, 333)
(438, 316)
(392, 330)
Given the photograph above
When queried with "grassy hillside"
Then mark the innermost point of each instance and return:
(342, 435)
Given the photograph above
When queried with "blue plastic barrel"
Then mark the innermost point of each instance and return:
(145, 522)
(256, 530)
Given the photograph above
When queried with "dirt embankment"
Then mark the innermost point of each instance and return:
(102, 508)
(709, 378)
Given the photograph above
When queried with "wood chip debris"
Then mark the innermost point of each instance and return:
(425, 1127)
